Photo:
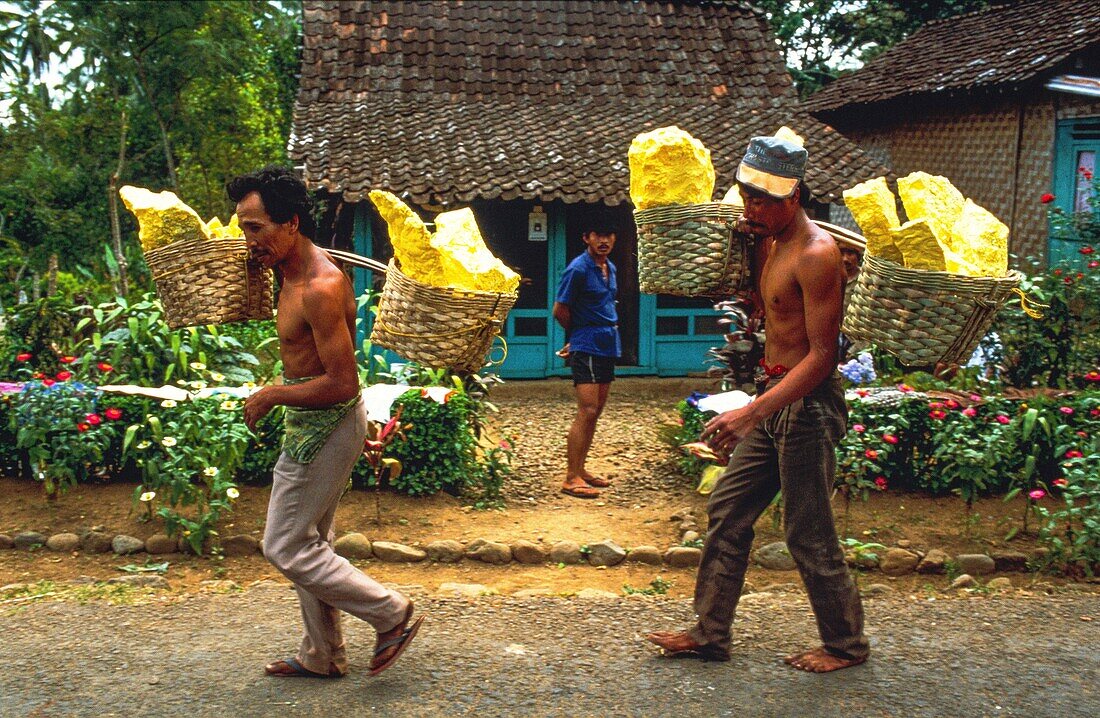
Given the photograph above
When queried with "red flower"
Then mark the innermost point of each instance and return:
(904, 388)
(25, 356)
(1068, 281)
(104, 367)
(82, 427)
(67, 360)
(48, 382)
(1086, 250)
(1002, 419)
(935, 405)
(1083, 434)
(871, 454)
(937, 414)
(862, 393)
(1073, 454)
(113, 414)
(970, 411)
(1094, 412)
(1093, 376)
(38, 375)
(93, 419)
(64, 375)
(880, 483)
(890, 438)
(1057, 272)
(1094, 264)
(951, 404)
(1047, 198)
(1060, 482)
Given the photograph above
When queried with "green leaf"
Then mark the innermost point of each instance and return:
(1029, 422)
(128, 438)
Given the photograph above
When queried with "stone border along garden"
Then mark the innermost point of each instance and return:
(900, 560)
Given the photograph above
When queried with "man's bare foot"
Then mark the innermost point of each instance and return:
(577, 488)
(596, 481)
(820, 661)
(680, 644)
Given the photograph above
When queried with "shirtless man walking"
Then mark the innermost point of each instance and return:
(326, 425)
(785, 440)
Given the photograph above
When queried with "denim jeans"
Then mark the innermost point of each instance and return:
(792, 451)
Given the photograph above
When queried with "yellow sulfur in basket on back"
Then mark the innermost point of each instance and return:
(918, 246)
(981, 241)
(224, 231)
(669, 166)
(935, 199)
(467, 262)
(874, 208)
(162, 217)
(412, 242)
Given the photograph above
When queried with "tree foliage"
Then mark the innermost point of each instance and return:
(823, 38)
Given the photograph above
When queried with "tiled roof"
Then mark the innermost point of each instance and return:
(450, 101)
(999, 49)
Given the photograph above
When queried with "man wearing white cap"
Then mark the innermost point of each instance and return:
(785, 440)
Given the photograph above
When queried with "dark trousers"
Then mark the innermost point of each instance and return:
(793, 451)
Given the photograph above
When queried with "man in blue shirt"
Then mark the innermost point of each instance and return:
(585, 307)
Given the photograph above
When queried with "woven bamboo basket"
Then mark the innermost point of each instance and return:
(438, 327)
(924, 317)
(210, 281)
(691, 250)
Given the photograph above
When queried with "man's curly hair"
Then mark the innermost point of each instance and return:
(283, 195)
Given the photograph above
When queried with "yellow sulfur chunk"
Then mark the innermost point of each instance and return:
(935, 199)
(918, 245)
(412, 243)
(981, 240)
(733, 196)
(162, 217)
(958, 265)
(786, 133)
(669, 166)
(874, 208)
(467, 262)
(214, 226)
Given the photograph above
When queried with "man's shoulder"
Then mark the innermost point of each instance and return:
(578, 265)
(328, 284)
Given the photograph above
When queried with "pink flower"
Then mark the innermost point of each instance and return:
(1094, 264)
(1073, 454)
(1083, 434)
(880, 483)
(935, 405)
(1066, 410)
(871, 454)
(1036, 494)
(975, 397)
(1002, 419)
(951, 404)
(113, 414)
(904, 388)
(504, 444)
(1094, 412)
(25, 356)
(1062, 483)
(859, 428)
(93, 419)
(890, 438)
(1047, 198)
(937, 414)
(970, 411)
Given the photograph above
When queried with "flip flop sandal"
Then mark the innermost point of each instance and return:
(580, 492)
(297, 670)
(598, 482)
(402, 642)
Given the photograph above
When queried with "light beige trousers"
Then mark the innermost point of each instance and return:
(298, 541)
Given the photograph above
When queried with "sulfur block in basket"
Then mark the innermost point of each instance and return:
(162, 217)
(918, 245)
(412, 242)
(933, 198)
(467, 262)
(981, 241)
(668, 166)
(874, 208)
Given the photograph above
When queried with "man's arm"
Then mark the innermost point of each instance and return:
(563, 316)
(323, 311)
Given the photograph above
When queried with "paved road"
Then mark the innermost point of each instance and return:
(502, 656)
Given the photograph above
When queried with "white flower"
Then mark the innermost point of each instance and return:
(215, 376)
(198, 385)
(148, 495)
(168, 403)
(168, 441)
(197, 365)
(229, 405)
(210, 471)
(143, 445)
(232, 492)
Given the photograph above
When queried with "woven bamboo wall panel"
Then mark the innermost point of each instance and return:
(1072, 108)
(1034, 178)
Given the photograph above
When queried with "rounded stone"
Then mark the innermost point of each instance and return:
(29, 539)
(1001, 583)
(160, 544)
(975, 564)
(445, 551)
(683, 556)
(241, 545)
(96, 542)
(124, 545)
(529, 552)
(492, 552)
(650, 555)
(605, 553)
(899, 562)
(1010, 561)
(6, 541)
(353, 546)
(63, 542)
(934, 561)
(775, 556)
(464, 590)
(964, 581)
(397, 553)
(567, 552)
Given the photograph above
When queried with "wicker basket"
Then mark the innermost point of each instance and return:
(691, 250)
(438, 327)
(924, 317)
(210, 281)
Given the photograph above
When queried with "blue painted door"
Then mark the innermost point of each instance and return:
(1076, 147)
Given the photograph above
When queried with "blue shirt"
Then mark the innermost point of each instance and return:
(591, 302)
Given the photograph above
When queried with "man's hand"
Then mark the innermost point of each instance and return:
(258, 405)
(724, 431)
(565, 351)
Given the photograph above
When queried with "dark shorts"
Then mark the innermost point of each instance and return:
(592, 369)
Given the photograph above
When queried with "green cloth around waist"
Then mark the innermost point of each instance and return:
(307, 430)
